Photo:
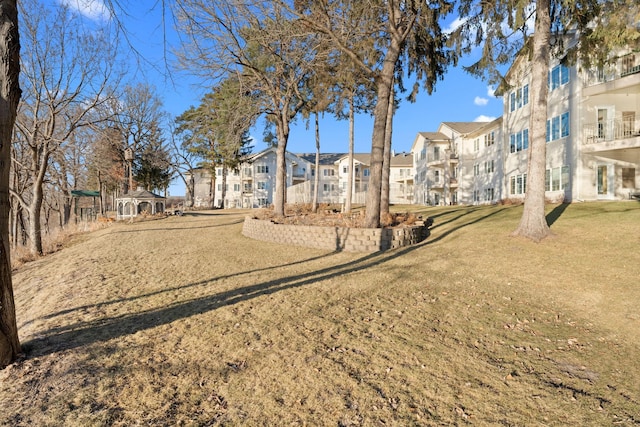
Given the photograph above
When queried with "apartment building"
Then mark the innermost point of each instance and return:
(253, 183)
(438, 167)
(592, 135)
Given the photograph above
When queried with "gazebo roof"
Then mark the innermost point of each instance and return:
(85, 193)
(141, 194)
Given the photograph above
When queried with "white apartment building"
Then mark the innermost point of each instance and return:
(593, 140)
(253, 184)
(436, 160)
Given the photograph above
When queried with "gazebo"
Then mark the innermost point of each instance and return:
(83, 210)
(139, 202)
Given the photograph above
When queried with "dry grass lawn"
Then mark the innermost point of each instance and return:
(184, 321)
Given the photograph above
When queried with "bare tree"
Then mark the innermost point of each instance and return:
(9, 98)
(66, 72)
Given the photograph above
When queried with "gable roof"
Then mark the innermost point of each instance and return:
(142, 194)
(402, 159)
(434, 136)
(325, 158)
(486, 126)
(464, 127)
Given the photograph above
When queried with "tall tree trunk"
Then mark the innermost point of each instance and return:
(212, 190)
(350, 177)
(533, 223)
(280, 192)
(223, 190)
(384, 82)
(9, 97)
(386, 165)
(314, 206)
(35, 221)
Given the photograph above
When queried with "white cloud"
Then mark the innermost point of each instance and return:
(483, 118)
(491, 91)
(480, 101)
(454, 25)
(92, 9)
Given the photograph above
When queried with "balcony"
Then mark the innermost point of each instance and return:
(623, 74)
(611, 130)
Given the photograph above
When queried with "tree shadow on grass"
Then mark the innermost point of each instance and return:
(84, 333)
(177, 227)
(99, 330)
(556, 213)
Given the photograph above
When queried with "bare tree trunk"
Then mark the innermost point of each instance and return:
(212, 190)
(350, 177)
(280, 192)
(533, 223)
(314, 207)
(372, 216)
(386, 165)
(223, 189)
(9, 97)
(35, 217)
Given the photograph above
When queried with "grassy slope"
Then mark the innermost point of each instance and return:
(185, 321)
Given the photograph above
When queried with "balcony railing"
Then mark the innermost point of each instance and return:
(611, 130)
(625, 66)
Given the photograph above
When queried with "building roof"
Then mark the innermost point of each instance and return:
(434, 136)
(142, 194)
(325, 158)
(486, 126)
(464, 127)
(85, 193)
(402, 159)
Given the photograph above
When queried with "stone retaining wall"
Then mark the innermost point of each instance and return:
(335, 238)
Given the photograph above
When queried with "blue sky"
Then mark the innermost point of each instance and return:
(458, 97)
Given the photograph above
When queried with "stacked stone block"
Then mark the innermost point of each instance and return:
(335, 238)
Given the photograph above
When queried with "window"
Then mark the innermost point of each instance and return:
(436, 176)
(236, 172)
(519, 141)
(247, 171)
(518, 184)
(247, 186)
(489, 139)
(558, 76)
(489, 194)
(262, 185)
(476, 195)
(476, 169)
(236, 187)
(629, 178)
(557, 179)
(326, 187)
(628, 62)
(436, 153)
(263, 202)
(519, 98)
(344, 169)
(219, 171)
(262, 169)
(328, 172)
(366, 172)
(476, 144)
(489, 166)
(558, 127)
